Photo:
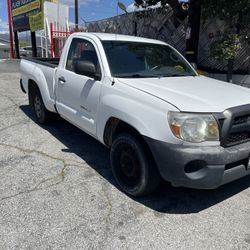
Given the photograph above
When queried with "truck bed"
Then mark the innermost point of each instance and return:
(49, 62)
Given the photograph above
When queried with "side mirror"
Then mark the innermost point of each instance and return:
(86, 68)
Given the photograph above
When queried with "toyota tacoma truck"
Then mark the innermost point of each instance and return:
(143, 100)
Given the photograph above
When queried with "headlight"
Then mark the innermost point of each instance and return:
(193, 127)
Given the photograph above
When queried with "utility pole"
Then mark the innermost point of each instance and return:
(10, 29)
(193, 31)
(33, 43)
(76, 15)
(16, 45)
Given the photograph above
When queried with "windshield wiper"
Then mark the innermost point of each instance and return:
(177, 75)
(138, 75)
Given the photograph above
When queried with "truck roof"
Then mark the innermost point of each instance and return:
(119, 37)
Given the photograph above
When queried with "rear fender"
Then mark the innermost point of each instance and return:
(32, 73)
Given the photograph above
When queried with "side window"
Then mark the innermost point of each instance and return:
(81, 49)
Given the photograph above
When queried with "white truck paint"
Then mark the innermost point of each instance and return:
(143, 103)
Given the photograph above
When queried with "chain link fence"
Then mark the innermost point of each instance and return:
(161, 24)
(211, 31)
(156, 24)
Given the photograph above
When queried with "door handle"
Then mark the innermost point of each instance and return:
(61, 80)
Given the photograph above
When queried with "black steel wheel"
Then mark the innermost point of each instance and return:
(133, 168)
(42, 115)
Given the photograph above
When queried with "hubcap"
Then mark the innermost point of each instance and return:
(38, 106)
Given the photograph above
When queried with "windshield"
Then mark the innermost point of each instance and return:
(138, 60)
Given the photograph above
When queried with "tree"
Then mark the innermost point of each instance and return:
(179, 11)
(148, 3)
(235, 14)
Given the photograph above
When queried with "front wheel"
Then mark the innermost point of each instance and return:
(133, 167)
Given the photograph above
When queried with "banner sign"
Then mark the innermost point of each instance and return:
(21, 10)
(36, 22)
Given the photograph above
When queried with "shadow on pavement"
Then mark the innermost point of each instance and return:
(166, 199)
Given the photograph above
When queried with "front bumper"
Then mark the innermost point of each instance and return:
(205, 167)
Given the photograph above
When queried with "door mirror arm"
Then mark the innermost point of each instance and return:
(98, 76)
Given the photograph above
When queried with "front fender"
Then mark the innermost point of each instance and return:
(147, 119)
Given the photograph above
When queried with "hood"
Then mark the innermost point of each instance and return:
(193, 94)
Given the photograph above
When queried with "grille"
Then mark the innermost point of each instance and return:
(237, 138)
(241, 119)
(240, 130)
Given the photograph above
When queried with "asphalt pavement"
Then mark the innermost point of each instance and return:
(57, 192)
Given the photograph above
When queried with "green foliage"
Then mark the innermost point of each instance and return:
(179, 12)
(148, 3)
(233, 12)
(235, 15)
(22, 44)
(226, 48)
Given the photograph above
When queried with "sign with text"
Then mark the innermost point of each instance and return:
(21, 10)
(36, 22)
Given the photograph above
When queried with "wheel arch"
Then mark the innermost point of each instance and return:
(32, 84)
(115, 126)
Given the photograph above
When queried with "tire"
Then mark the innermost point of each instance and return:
(132, 166)
(42, 115)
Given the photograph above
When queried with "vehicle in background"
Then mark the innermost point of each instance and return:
(27, 51)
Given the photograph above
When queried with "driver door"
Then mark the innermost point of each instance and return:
(78, 95)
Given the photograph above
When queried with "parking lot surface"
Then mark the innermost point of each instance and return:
(57, 192)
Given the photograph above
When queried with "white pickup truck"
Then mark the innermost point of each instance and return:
(144, 101)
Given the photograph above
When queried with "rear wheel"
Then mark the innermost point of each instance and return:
(42, 115)
(132, 166)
